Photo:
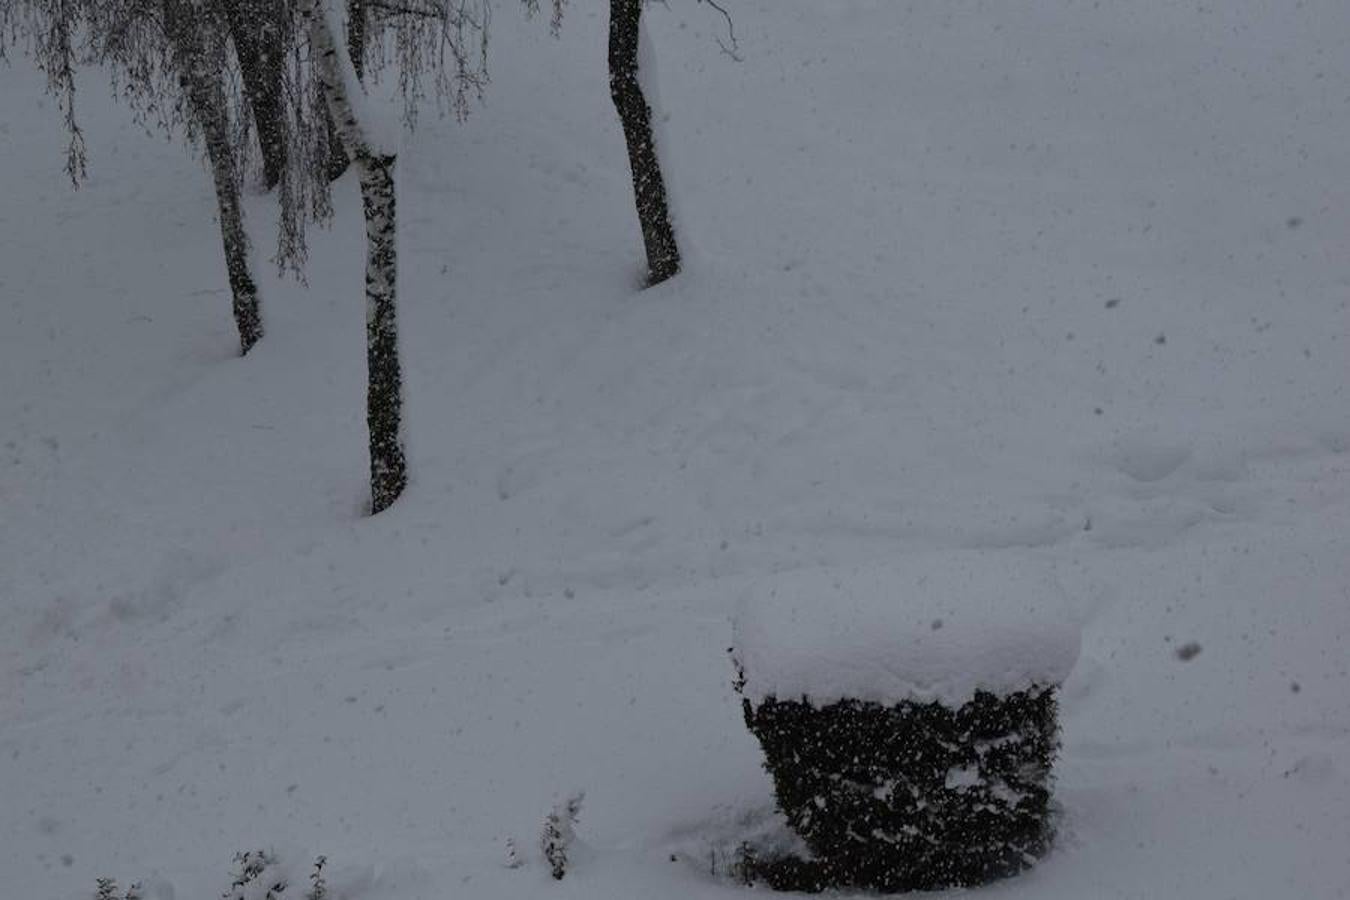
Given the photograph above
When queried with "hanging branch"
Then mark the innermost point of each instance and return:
(731, 47)
(555, 16)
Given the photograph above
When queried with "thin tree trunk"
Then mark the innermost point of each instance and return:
(203, 79)
(649, 188)
(337, 162)
(256, 32)
(384, 384)
(384, 393)
(356, 36)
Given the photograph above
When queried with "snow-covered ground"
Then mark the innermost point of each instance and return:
(1062, 280)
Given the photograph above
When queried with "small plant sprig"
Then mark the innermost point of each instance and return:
(513, 860)
(318, 887)
(559, 832)
(251, 864)
(106, 889)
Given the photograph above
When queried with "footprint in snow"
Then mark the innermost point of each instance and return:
(1149, 463)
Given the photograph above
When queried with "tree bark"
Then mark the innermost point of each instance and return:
(259, 44)
(203, 81)
(356, 36)
(384, 382)
(356, 50)
(384, 393)
(336, 164)
(649, 188)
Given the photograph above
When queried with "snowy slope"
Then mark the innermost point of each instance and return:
(1056, 279)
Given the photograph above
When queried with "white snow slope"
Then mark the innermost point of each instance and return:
(1064, 278)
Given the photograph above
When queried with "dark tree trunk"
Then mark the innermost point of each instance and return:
(337, 157)
(196, 44)
(356, 36)
(259, 44)
(243, 289)
(649, 188)
(384, 384)
(384, 390)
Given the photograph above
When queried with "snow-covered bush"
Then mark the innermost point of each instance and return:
(908, 718)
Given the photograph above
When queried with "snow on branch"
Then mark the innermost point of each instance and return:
(363, 131)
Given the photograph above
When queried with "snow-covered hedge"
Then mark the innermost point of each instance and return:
(907, 716)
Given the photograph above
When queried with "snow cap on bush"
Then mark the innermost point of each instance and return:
(929, 627)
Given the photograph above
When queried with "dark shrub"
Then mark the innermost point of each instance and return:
(914, 796)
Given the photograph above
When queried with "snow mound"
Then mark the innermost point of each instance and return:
(935, 627)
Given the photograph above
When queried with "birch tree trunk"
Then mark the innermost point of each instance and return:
(649, 188)
(256, 32)
(384, 386)
(199, 46)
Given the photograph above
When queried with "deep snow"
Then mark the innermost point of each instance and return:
(1064, 279)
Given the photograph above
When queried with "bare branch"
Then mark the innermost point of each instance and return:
(731, 47)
